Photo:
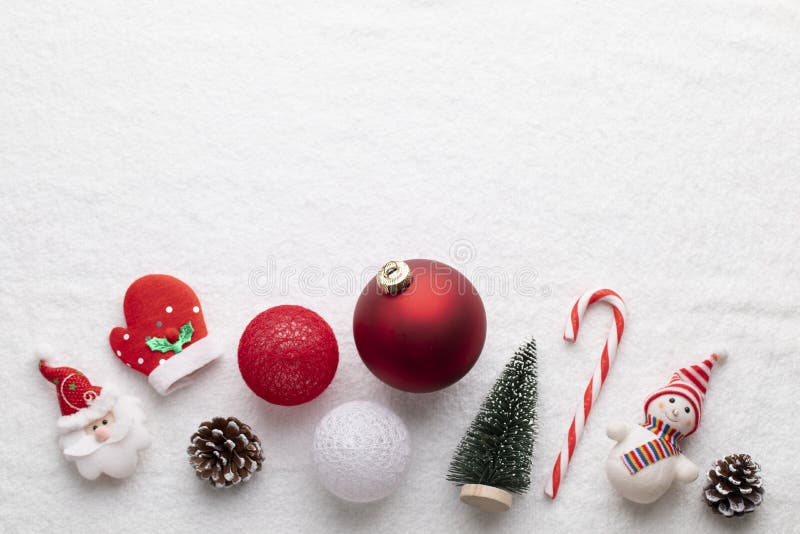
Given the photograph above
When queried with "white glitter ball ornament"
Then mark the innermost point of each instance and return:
(361, 451)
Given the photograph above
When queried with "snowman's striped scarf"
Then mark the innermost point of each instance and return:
(664, 446)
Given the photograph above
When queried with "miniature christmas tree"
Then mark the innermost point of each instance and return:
(493, 459)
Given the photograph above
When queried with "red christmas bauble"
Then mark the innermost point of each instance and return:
(288, 355)
(419, 325)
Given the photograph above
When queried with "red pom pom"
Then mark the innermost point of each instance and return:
(288, 355)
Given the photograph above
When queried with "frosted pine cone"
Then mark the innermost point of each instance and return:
(225, 452)
(735, 486)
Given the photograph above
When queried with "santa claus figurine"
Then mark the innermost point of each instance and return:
(648, 457)
(100, 431)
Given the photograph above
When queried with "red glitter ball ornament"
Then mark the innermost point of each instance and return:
(419, 325)
(288, 355)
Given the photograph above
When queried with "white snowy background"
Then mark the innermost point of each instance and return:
(651, 147)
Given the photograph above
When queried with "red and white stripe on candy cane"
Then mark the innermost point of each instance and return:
(592, 390)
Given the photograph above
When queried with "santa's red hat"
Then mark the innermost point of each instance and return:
(690, 383)
(166, 337)
(80, 401)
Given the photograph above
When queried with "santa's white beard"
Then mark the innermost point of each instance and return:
(117, 456)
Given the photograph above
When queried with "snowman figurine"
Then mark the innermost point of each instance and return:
(648, 457)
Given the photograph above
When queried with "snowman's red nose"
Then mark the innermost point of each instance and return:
(171, 333)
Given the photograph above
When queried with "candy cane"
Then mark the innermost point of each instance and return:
(595, 383)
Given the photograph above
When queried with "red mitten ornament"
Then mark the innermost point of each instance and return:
(419, 325)
(101, 431)
(288, 355)
(166, 338)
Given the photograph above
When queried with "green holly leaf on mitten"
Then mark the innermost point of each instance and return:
(162, 344)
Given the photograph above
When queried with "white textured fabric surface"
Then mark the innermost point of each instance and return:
(545, 147)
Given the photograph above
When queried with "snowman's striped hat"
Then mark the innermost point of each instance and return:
(690, 383)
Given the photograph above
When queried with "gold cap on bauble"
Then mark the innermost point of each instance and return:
(394, 277)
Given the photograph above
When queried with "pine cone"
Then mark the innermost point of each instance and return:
(224, 451)
(735, 487)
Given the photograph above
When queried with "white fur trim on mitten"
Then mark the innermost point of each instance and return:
(175, 373)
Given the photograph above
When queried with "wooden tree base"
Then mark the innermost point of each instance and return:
(486, 498)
